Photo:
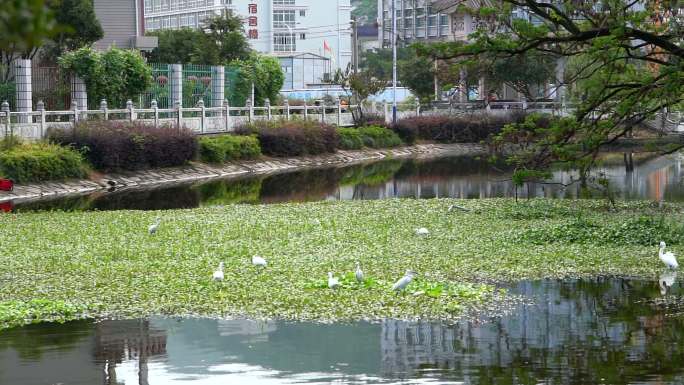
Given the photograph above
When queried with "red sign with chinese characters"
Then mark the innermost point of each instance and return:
(253, 21)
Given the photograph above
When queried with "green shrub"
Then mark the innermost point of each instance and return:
(219, 149)
(40, 162)
(368, 136)
(379, 137)
(350, 139)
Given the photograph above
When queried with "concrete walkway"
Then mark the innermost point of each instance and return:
(201, 171)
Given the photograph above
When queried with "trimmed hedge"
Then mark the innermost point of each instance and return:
(111, 145)
(40, 162)
(453, 129)
(219, 149)
(368, 136)
(293, 138)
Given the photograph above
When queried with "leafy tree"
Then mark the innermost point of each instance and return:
(365, 10)
(176, 46)
(115, 75)
(25, 25)
(627, 64)
(418, 74)
(220, 41)
(379, 63)
(266, 74)
(359, 87)
(225, 41)
(80, 27)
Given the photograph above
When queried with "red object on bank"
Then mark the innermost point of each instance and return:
(6, 207)
(6, 184)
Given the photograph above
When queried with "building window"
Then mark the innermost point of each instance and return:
(284, 42)
(283, 18)
(302, 13)
(302, 36)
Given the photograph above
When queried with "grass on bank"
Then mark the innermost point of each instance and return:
(107, 263)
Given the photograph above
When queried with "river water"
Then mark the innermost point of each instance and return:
(603, 330)
(631, 176)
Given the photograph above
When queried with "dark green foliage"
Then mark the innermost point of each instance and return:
(219, 42)
(379, 137)
(644, 230)
(350, 139)
(175, 46)
(294, 138)
(368, 136)
(452, 129)
(40, 162)
(80, 27)
(219, 149)
(110, 145)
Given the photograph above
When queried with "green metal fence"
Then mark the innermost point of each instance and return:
(196, 84)
(160, 89)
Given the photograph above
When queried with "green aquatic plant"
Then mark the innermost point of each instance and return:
(105, 262)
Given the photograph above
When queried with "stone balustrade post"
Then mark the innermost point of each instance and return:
(203, 114)
(155, 108)
(40, 107)
(267, 104)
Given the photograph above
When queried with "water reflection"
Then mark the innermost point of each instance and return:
(631, 176)
(605, 330)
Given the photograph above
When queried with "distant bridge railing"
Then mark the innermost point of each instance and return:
(199, 119)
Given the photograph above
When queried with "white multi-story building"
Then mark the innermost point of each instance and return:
(312, 38)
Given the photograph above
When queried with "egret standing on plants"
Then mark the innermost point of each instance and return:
(422, 231)
(258, 261)
(333, 282)
(404, 281)
(668, 258)
(153, 228)
(358, 273)
(218, 274)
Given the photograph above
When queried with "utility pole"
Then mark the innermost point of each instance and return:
(355, 42)
(394, 62)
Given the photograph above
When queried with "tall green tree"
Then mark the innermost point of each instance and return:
(176, 46)
(25, 25)
(80, 26)
(220, 41)
(262, 71)
(627, 65)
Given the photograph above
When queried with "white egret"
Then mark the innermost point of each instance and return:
(258, 261)
(404, 281)
(153, 228)
(333, 282)
(666, 280)
(668, 258)
(218, 274)
(358, 273)
(422, 231)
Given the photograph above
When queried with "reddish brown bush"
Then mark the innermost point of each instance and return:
(293, 138)
(111, 145)
(452, 129)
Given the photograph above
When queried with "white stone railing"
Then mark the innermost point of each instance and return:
(200, 119)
